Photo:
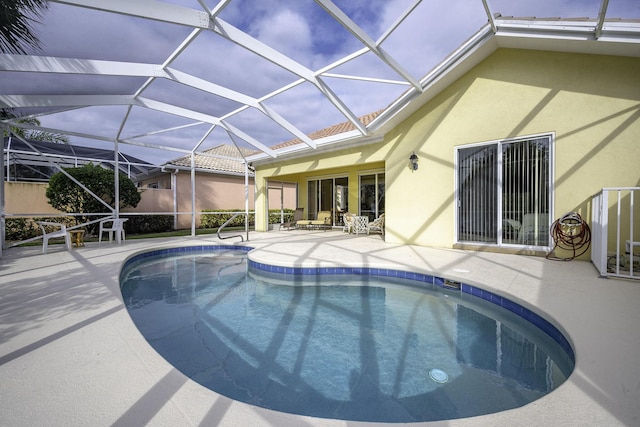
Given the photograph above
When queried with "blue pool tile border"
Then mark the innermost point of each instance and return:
(441, 282)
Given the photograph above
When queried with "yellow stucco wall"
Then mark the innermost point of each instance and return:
(591, 103)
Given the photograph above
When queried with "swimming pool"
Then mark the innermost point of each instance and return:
(354, 344)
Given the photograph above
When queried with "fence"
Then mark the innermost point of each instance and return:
(615, 230)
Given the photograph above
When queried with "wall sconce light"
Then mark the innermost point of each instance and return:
(414, 161)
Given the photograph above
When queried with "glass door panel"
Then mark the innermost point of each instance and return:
(329, 194)
(372, 195)
(341, 200)
(312, 199)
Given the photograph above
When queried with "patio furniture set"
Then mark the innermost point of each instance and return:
(353, 223)
(115, 228)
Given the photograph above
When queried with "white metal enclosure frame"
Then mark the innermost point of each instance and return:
(162, 88)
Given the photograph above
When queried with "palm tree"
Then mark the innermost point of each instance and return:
(16, 18)
(31, 134)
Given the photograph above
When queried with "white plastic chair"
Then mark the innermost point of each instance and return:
(117, 227)
(54, 234)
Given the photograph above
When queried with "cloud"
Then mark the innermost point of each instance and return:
(286, 31)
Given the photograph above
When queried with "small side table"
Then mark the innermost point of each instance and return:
(360, 224)
(77, 237)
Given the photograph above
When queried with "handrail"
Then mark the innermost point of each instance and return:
(227, 222)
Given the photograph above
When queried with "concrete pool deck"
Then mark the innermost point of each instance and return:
(71, 356)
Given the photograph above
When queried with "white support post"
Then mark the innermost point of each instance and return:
(618, 211)
(246, 199)
(604, 230)
(2, 208)
(193, 194)
(116, 179)
(174, 184)
(631, 239)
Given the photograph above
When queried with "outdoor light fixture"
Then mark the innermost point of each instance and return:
(414, 161)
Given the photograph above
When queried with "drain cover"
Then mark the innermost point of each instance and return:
(439, 376)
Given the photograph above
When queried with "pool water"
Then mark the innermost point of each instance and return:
(343, 346)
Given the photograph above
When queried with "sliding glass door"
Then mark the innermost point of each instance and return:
(504, 192)
(328, 194)
(372, 195)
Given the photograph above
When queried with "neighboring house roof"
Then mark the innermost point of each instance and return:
(225, 159)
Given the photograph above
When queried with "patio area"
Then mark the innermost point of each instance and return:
(70, 354)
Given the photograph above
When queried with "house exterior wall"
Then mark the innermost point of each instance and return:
(161, 180)
(590, 103)
(215, 192)
(212, 192)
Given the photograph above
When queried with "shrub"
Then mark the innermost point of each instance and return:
(65, 195)
(143, 224)
(274, 215)
(215, 220)
(17, 229)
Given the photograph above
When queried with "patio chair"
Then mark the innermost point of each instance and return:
(323, 220)
(377, 225)
(348, 219)
(117, 228)
(360, 224)
(297, 216)
(62, 232)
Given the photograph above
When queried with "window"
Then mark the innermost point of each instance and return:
(504, 192)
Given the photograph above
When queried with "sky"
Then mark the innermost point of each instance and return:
(300, 29)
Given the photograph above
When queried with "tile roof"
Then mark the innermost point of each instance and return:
(228, 165)
(331, 130)
(225, 163)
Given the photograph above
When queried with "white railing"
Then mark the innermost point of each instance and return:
(615, 244)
